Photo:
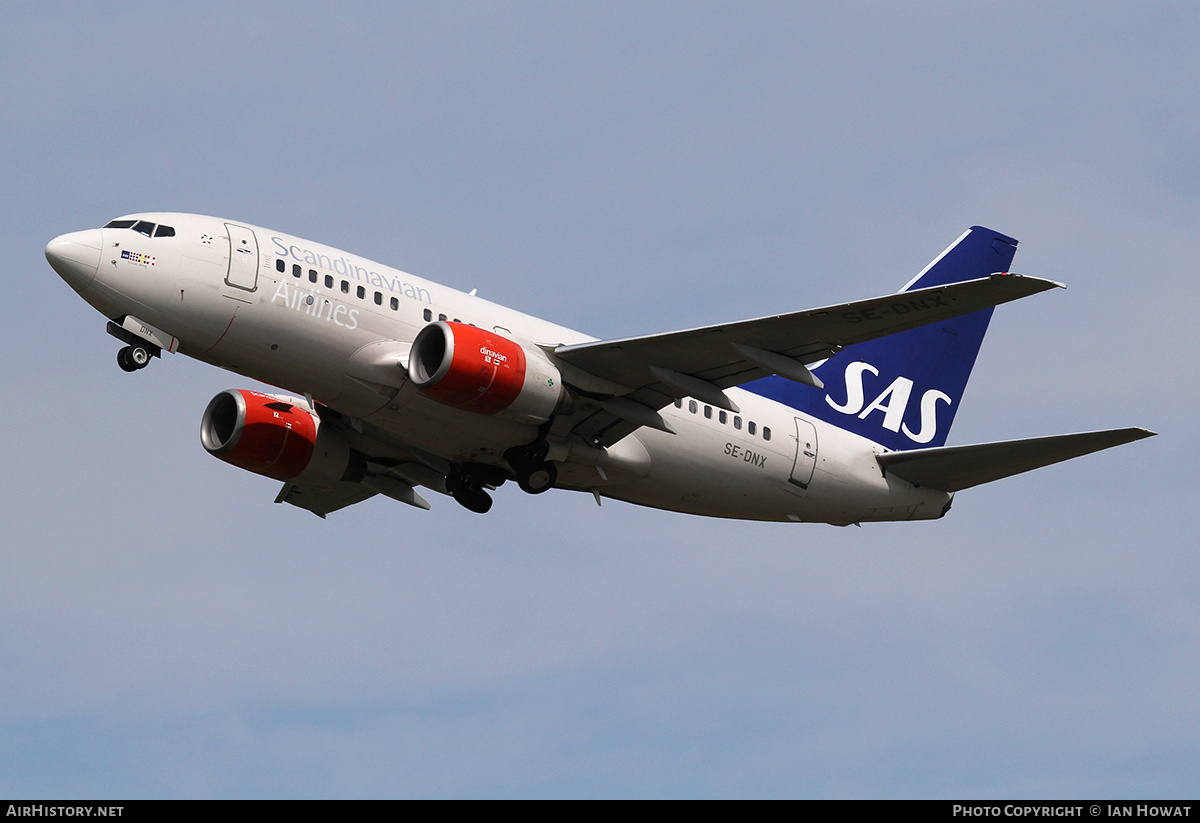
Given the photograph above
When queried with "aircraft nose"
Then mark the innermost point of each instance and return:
(75, 257)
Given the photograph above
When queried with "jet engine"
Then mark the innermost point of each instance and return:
(484, 372)
(279, 437)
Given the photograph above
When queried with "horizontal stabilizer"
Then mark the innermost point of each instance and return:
(953, 468)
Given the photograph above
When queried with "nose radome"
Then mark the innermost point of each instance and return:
(75, 257)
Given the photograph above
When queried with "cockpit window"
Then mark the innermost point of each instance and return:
(142, 227)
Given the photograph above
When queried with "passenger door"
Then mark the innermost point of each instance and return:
(243, 258)
(806, 455)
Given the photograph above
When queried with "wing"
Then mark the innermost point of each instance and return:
(628, 380)
(396, 483)
(954, 468)
(323, 501)
(389, 476)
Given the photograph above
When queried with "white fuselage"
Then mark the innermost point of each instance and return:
(321, 322)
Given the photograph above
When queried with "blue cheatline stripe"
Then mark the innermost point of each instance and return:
(902, 391)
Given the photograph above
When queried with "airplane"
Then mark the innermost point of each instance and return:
(392, 383)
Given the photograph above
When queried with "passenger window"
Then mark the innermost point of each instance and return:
(678, 403)
(428, 315)
(144, 227)
(164, 231)
(766, 432)
(441, 317)
(721, 416)
(329, 281)
(750, 427)
(296, 270)
(692, 406)
(361, 292)
(280, 266)
(312, 275)
(395, 304)
(708, 412)
(737, 422)
(345, 287)
(378, 298)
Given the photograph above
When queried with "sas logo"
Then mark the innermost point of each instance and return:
(892, 403)
(137, 257)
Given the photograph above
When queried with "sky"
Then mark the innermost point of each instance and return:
(166, 631)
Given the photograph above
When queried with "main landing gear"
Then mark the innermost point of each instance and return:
(134, 357)
(469, 483)
(535, 474)
(466, 484)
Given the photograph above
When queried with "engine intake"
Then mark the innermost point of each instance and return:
(484, 372)
(278, 437)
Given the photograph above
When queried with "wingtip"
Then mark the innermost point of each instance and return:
(1131, 434)
(1041, 281)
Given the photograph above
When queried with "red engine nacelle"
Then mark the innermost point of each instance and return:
(484, 372)
(278, 437)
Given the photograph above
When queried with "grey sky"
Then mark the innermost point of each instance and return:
(621, 168)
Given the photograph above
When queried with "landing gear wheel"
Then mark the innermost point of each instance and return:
(473, 499)
(123, 360)
(467, 492)
(537, 478)
(132, 358)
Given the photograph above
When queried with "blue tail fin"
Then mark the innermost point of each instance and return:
(902, 391)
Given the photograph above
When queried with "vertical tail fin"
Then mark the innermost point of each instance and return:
(902, 391)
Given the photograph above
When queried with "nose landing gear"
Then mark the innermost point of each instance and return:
(137, 352)
(132, 358)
